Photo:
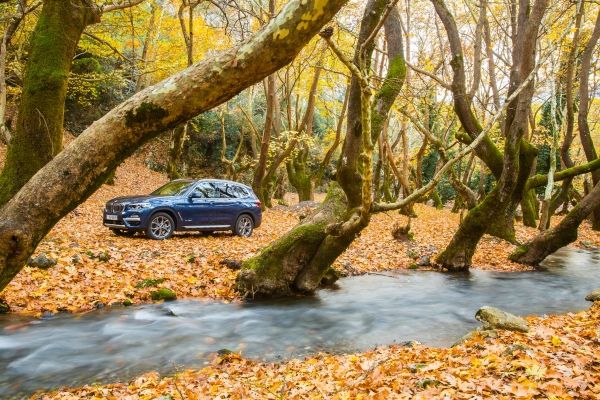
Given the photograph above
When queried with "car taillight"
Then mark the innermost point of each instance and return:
(258, 203)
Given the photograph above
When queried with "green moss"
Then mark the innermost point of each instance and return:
(518, 252)
(127, 302)
(149, 283)
(163, 294)
(394, 80)
(145, 113)
(4, 307)
(425, 383)
(86, 65)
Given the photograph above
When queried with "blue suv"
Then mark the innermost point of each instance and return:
(186, 205)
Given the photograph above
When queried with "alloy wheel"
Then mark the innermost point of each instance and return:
(161, 227)
(244, 226)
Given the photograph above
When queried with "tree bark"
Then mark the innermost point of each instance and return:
(83, 166)
(21, 11)
(562, 197)
(582, 118)
(39, 130)
(498, 206)
(298, 168)
(561, 235)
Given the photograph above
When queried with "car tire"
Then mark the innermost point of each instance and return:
(244, 226)
(123, 232)
(160, 227)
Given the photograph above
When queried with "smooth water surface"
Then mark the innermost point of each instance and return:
(430, 307)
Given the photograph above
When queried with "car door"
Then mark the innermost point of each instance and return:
(197, 210)
(228, 204)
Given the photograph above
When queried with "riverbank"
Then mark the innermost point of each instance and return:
(95, 268)
(556, 359)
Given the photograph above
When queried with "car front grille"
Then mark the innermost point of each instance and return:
(115, 207)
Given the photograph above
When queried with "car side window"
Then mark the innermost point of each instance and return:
(225, 191)
(240, 192)
(206, 190)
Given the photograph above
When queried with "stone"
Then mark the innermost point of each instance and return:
(593, 296)
(42, 262)
(424, 261)
(494, 318)
(169, 313)
(231, 264)
(225, 352)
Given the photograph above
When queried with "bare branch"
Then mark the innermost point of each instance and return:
(122, 6)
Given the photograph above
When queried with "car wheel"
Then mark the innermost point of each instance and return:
(244, 226)
(160, 227)
(123, 232)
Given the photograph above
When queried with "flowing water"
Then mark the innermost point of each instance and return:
(430, 307)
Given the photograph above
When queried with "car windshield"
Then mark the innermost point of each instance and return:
(174, 188)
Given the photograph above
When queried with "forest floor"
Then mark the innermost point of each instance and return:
(96, 268)
(557, 359)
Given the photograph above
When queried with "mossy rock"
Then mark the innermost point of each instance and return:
(163, 294)
(4, 307)
(127, 302)
(330, 277)
(42, 262)
(144, 283)
(104, 256)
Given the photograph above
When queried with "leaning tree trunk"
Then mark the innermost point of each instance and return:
(39, 131)
(498, 205)
(582, 118)
(561, 235)
(562, 197)
(300, 259)
(75, 173)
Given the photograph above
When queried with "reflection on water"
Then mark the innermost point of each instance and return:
(365, 311)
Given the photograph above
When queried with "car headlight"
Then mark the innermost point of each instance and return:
(138, 206)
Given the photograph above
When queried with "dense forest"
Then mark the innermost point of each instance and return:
(377, 135)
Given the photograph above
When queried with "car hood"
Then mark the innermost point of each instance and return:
(137, 199)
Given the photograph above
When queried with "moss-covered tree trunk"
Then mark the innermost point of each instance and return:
(39, 130)
(175, 169)
(499, 205)
(561, 235)
(298, 168)
(582, 118)
(300, 176)
(299, 260)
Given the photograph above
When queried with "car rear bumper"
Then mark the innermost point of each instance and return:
(257, 219)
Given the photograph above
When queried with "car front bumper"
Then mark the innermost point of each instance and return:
(131, 220)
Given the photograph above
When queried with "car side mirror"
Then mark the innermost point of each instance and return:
(195, 195)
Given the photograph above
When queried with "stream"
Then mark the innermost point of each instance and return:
(117, 344)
